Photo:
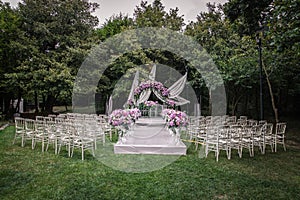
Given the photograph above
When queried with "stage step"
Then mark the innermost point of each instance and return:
(150, 136)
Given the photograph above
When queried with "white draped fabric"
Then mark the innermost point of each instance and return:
(144, 96)
(152, 73)
(109, 105)
(134, 85)
(177, 87)
(175, 90)
(158, 95)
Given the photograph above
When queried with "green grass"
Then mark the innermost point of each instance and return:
(31, 174)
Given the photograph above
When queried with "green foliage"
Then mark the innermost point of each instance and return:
(57, 33)
(43, 44)
(114, 25)
(147, 15)
(248, 14)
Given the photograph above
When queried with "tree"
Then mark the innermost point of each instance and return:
(147, 15)
(57, 30)
(248, 15)
(232, 53)
(14, 48)
(253, 15)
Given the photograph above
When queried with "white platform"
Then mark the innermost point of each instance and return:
(150, 137)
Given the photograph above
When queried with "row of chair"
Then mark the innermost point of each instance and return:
(70, 130)
(227, 133)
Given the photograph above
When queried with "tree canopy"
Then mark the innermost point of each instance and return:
(44, 42)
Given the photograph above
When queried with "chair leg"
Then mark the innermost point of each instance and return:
(72, 151)
(82, 152)
(32, 143)
(196, 145)
(23, 141)
(283, 146)
(43, 144)
(240, 151)
(55, 146)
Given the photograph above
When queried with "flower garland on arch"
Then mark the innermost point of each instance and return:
(151, 85)
(157, 86)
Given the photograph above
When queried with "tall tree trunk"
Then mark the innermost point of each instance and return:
(44, 103)
(36, 102)
(210, 102)
(17, 108)
(271, 95)
(49, 103)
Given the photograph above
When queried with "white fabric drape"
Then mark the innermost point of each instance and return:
(177, 87)
(134, 85)
(152, 73)
(144, 96)
(158, 95)
(109, 105)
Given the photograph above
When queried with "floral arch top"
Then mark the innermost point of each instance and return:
(151, 85)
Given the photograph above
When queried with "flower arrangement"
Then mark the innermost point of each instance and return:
(130, 103)
(134, 113)
(171, 103)
(151, 84)
(150, 103)
(120, 117)
(175, 118)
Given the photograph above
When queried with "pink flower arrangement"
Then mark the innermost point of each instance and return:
(171, 102)
(130, 102)
(134, 113)
(175, 118)
(150, 103)
(152, 84)
(121, 117)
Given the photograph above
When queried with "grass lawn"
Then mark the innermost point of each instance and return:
(31, 174)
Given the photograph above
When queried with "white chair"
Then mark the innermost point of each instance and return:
(244, 118)
(279, 137)
(82, 140)
(53, 135)
(29, 132)
(19, 129)
(268, 136)
(251, 122)
(40, 134)
(247, 140)
(216, 140)
(262, 122)
(201, 136)
(258, 137)
(66, 131)
(235, 139)
(40, 118)
(230, 119)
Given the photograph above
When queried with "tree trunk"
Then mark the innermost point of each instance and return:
(271, 95)
(210, 103)
(49, 103)
(44, 103)
(66, 106)
(234, 105)
(36, 102)
(17, 109)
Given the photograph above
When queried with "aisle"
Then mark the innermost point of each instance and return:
(150, 137)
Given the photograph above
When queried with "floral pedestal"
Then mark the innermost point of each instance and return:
(175, 132)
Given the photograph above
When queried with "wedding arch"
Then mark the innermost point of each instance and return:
(140, 93)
